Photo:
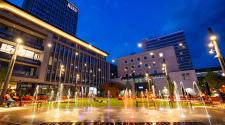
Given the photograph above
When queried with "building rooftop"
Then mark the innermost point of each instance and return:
(160, 37)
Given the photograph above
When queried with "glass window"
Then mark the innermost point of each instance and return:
(125, 61)
(145, 57)
(139, 66)
(146, 65)
(132, 60)
(138, 59)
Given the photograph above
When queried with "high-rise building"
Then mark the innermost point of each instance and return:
(178, 41)
(60, 13)
(45, 50)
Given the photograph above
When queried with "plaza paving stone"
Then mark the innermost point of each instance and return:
(102, 115)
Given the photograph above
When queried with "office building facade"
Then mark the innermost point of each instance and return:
(148, 62)
(178, 41)
(44, 50)
(133, 69)
(60, 13)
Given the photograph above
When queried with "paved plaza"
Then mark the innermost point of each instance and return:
(25, 116)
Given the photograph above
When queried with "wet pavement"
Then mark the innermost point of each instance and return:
(102, 115)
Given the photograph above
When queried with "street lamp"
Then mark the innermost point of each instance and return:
(213, 45)
(113, 61)
(161, 55)
(164, 68)
(139, 45)
(11, 66)
(49, 45)
(77, 77)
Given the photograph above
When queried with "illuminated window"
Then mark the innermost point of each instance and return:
(22, 52)
(7, 48)
(26, 53)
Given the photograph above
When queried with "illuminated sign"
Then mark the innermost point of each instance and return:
(140, 87)
(72, 7)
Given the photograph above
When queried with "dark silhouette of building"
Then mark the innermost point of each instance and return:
(113, 71)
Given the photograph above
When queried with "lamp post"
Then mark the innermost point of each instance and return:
(164, 68)
(214, 45)
(11, 66)
(148, 80)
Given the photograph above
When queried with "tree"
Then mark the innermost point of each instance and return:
(3, 72)
(204, 86)
(113, 87)
(214, 81)
(171, 86)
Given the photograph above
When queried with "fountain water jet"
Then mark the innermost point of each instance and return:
(142, 99)
(147, 97)
(68, 101)
(34, 103)
(178, 101)
(130, 98)
(75, 99)
(153, 91)
(58, 99)
(126, 99)
(160, 101)
(186, 98)
(202, 100)
(50, 104)
(108, 96)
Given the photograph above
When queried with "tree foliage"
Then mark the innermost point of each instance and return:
(171, 86)
(214, 80)
(3, 72)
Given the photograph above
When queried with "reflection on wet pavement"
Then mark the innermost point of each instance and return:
(100, 115)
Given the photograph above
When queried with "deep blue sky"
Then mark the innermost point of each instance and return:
(116, 26)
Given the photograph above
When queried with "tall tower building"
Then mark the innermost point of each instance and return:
(178, 41)
(59, 13)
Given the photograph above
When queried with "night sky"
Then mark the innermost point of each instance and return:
(116, 26)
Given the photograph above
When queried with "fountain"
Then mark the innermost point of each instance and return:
(50, 103)
(34, 102)
(82, 96)
(58, 99)
(153, 91)
(147, 97)
(130, 98)
(75, 99)
(185, 95)
(178, 101)
(142, 99)
(125, 99)
(108, 96)
(160, 101)
(202, 100)
(68, 101)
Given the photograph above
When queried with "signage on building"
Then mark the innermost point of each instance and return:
(72, 7)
